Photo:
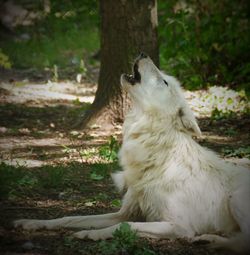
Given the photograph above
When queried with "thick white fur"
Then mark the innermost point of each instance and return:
(173, 187)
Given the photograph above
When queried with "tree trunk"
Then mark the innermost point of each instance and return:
(128, 27)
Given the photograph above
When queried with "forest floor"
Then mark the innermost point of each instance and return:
(50, 170)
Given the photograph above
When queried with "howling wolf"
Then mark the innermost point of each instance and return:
(172, 187)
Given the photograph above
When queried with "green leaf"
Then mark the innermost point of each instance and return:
(96, 177)
(116, 203)
(229, 101)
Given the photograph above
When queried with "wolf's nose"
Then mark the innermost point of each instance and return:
(143, 55)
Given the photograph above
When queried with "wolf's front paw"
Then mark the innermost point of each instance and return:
(29, 224)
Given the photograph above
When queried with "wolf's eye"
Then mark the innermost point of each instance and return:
(165, 82)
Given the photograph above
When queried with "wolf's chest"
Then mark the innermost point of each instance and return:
(150, 195)
(134, 153)
(142, 153)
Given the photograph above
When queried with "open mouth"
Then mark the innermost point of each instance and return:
(135, 77)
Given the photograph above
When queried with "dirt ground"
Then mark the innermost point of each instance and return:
(36, 130)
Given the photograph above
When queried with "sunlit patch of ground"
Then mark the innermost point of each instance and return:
(46, 94)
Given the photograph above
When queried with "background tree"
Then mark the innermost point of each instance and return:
(127, 28)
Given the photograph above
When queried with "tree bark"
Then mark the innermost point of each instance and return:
(128, 27)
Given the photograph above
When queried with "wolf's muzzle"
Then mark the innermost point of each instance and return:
(136, 76)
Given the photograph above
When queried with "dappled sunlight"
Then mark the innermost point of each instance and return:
(217, 138)
(34, 152)
(51, 93)
(216, 99)
(44, 136)
(11, 143)
(29, 163)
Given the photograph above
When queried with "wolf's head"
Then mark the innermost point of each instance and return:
(153, 91)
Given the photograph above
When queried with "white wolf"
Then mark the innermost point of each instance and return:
(172, 186)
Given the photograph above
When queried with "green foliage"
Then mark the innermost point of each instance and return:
(201, 42)
(110, 150)
(20, 181)
(242, 152)
(219, 114)
(221, 102)
(96, 177)
(4, 60)
(61, 38)
(125, 241)
(116, 203)
(107, 152)
(226, 103)
(204, 42)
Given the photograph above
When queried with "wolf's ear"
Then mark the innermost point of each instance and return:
(187, 122)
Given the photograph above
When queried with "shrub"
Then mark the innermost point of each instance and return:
(204, 42)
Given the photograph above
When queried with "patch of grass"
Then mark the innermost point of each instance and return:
(125, 241)
(71, 178)
(21, 181)
(242, 152)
